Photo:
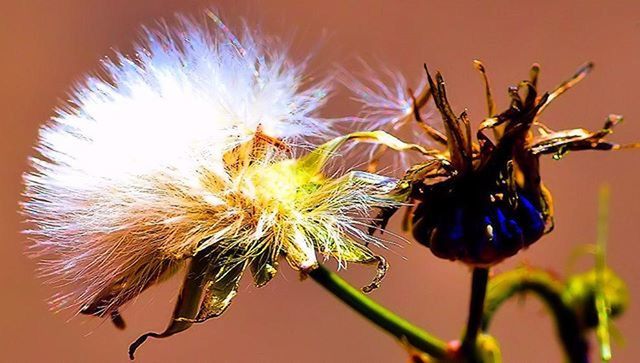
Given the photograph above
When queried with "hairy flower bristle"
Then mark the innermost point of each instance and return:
(132, 175)
(388, 103)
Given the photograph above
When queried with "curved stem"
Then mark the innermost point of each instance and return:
(379, 315)
(476, 310)
(549, 290)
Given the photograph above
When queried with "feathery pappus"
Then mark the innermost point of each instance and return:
(481, 201)
(389, 104)
(188, 157)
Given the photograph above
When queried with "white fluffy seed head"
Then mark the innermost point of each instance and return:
(123, 184)
(187, 149)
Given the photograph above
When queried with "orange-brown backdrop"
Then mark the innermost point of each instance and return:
(46, 46)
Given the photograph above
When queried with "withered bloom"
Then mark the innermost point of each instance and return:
(481, 201)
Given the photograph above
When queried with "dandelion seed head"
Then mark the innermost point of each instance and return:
(187, 148)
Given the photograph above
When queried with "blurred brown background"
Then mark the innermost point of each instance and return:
(46, 46)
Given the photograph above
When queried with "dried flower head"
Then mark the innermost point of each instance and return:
(482, 201)
(187, 157)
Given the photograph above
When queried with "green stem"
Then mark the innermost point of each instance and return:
(549, 290)
(476, 310)
(602, 304)
(379, 315)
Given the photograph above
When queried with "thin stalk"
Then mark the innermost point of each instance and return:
(602, 304)
(379, 315)
(549, 290)
(479, 282)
